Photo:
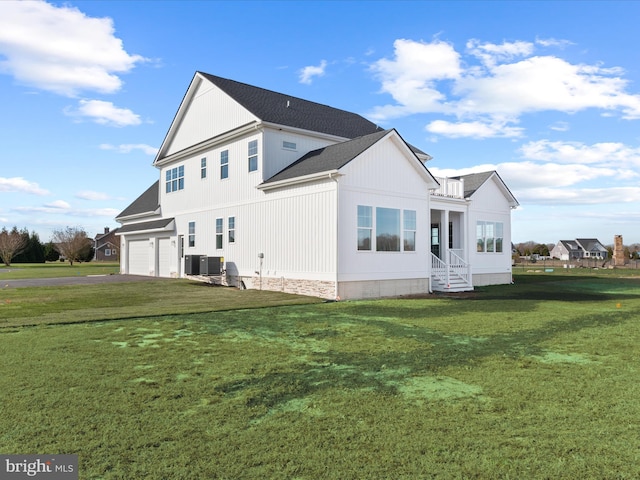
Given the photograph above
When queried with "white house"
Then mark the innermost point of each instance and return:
(305, 198)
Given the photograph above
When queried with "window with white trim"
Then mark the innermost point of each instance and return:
(219, 232)
(365, 227)
(224, 164)
(288, 145)
(409, 232)
(231, 229)
(192, 234)
(107, 252)
(253, 155)
(203, 167)
(175, 179)
(489, 237)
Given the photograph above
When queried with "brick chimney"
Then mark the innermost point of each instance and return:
(618, 251)
(106, 230)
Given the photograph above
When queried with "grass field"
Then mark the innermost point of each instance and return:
(533, 380)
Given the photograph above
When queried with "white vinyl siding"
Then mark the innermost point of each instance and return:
(164, 257)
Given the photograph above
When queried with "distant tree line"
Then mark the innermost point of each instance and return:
(20, 246)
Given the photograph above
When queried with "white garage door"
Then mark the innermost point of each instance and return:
(139, 257)
(164, 257)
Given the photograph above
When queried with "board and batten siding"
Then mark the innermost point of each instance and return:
(383, 176)
(294, 230)
(210, 113)
(489, 204)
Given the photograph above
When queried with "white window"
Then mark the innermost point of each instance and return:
(288, 145)
(365, 227)
(175, 179)
(224, 164)
(219, 231)
(231, 228)
(107, 252)
(409, 233)
(192, 234)
(489, 237)
(203, 168)
(253, 155)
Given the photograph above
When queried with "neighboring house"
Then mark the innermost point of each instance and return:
(305, 198)
(106, 246)
(579, 249)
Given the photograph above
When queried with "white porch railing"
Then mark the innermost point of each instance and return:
(452, 275)
(449, 187)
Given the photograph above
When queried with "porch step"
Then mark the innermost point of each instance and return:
(455, 285)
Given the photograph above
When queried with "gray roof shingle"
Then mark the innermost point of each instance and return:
(274, 107)
(148, 202)
(332, 157)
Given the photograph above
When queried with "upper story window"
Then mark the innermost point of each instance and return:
(175, 179)
(224, 164)
(203, 167)
(253, 155)
(288, 145)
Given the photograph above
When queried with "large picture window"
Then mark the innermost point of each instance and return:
(387, 230)
(365, 226)
(489, 237)
(175, 179)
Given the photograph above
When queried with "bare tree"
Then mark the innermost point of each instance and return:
(72, 243)
(11, 243)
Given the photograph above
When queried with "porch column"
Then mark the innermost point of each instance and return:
(444, 244)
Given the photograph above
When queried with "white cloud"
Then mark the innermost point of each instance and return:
(308, 73)
(494, 85)
(91, 195)
(474, 129)
(60, 49)
(613, 154)
(128, 148)
(579, 196)
(104, 113)
(61, 204)
(19, 184)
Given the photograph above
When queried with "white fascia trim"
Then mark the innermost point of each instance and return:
(208, 144)
(138, 216)
(327, 174)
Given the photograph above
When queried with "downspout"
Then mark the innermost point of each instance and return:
(331, 177)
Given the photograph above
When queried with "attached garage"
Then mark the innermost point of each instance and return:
(138, 257)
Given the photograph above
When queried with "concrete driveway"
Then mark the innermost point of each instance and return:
(79, 280)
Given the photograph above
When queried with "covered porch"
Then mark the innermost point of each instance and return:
(450, 267)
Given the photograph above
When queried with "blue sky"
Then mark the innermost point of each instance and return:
(546, 93)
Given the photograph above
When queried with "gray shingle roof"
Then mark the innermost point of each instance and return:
(148, 202)
(146, 226)
(473, 181)
(332, 157)
(274, 107)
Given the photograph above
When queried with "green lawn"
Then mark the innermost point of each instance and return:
(18, 271)
(533, 380)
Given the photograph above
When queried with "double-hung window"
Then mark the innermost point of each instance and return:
(409, 234)
(365, 227)
(192, 234)
(203, 167)
(253, 155)
(224, 164)
(219, 232)
(175, 179)
(231, 228)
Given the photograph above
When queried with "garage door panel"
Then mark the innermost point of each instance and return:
(139, 257)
